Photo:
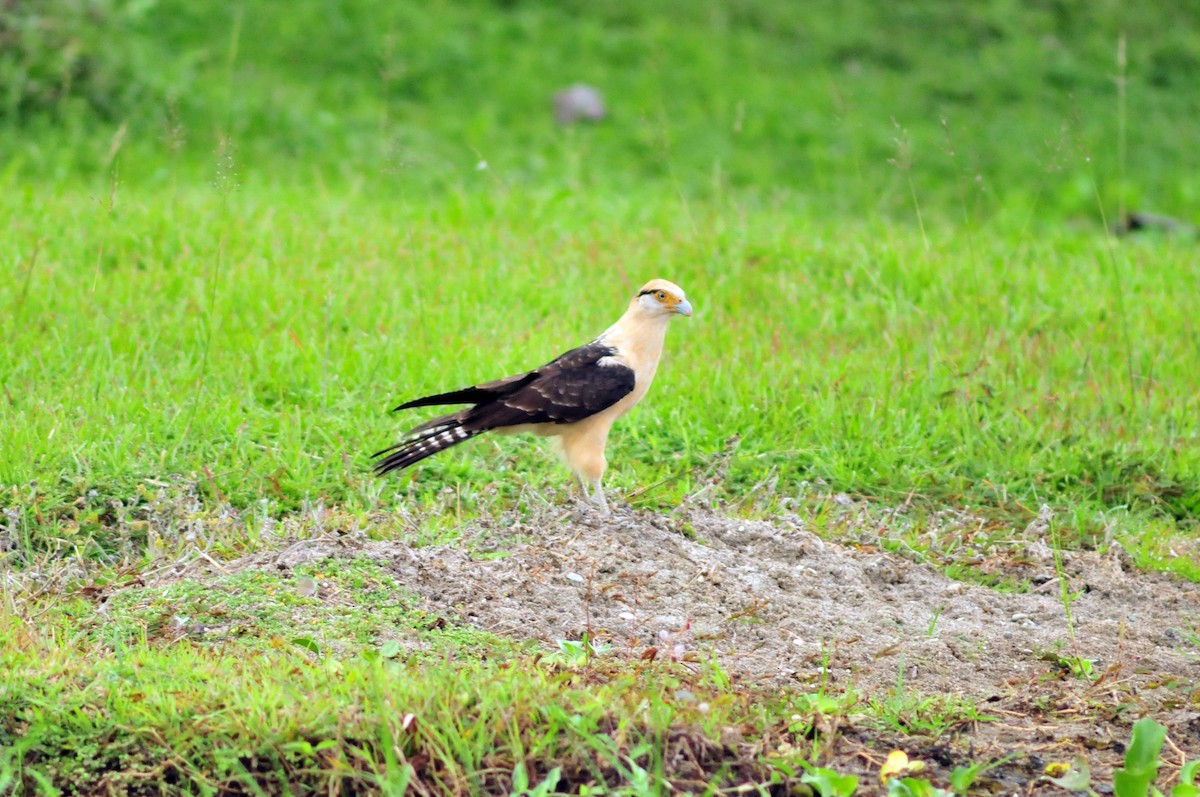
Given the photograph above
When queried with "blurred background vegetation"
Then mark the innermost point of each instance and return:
(850, 107)
(239, 232)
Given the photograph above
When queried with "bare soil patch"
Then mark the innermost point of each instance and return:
(778, 606)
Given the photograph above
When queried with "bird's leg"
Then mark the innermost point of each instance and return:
(579, 491)
(599, 499)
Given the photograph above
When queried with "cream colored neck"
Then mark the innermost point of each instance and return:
(638, 336)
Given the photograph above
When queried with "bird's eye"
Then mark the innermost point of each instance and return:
(661, 296)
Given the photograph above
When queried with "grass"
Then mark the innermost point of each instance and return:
(203, 686)
(209, 720)
(242, 354)
(234, 244)
(330, 610)
(1004, 112)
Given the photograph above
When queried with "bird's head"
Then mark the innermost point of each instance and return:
(663, 299)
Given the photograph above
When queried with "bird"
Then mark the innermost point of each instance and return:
(575, 398)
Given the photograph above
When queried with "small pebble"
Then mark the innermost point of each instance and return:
(577, 103)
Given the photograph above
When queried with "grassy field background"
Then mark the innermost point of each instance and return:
(252, 348)
(237, 236)
(987, 108)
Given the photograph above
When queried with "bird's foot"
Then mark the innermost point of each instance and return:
(590, 500)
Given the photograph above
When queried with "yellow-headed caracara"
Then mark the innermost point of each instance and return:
(575, 397)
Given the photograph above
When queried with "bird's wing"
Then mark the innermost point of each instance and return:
(474, 394)
(569, 388)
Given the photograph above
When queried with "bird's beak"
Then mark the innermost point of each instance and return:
(684, 308)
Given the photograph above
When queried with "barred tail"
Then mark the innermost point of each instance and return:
(420, 444)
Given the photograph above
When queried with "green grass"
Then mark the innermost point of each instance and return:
(336, 609)
(983, 108)
(237, 236)
(241, 350)
(212, 719)
(327, 677)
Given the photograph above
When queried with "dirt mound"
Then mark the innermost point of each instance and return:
(773, 603)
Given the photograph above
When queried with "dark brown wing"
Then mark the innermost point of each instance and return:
(567, 389)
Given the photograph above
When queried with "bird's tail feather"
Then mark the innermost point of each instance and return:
(422, 431)
(473, 395)
(422, 443)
